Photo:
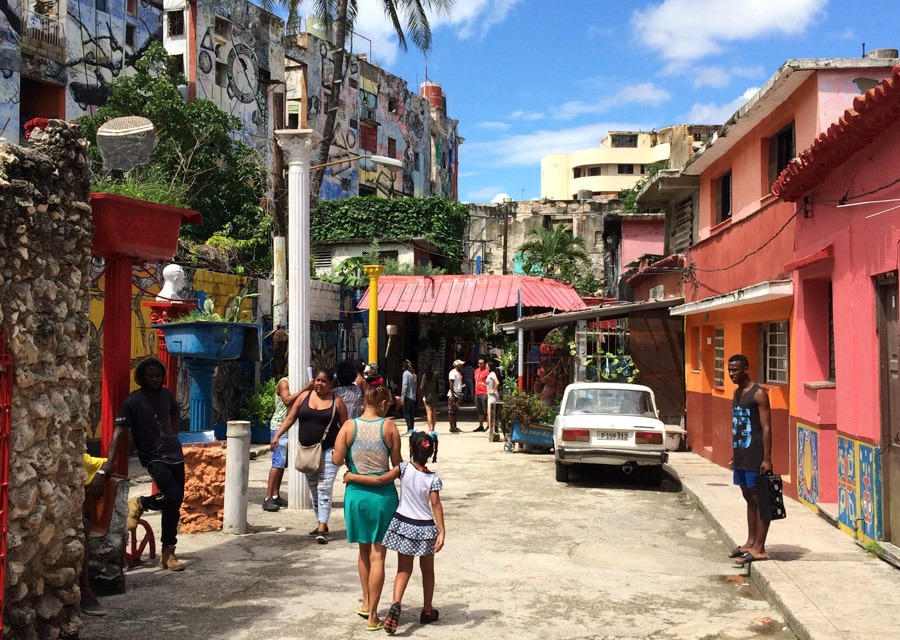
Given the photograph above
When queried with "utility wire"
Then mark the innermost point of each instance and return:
(693, 268)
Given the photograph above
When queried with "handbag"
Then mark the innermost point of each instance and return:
(771, 498)
(311, 458)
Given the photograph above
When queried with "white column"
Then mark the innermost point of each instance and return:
(296, 144)
(237, 477)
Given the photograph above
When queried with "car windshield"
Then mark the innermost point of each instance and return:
(624, 402)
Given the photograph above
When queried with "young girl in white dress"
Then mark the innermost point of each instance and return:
(417, 528)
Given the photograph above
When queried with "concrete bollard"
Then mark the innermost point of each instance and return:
(237, 476)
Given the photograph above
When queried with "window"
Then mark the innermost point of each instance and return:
(576, 172)
(322, 261)
(598, 238)
(368, 138)
(392, 148)
(177, 63)
(723, 197)
(781, 151)
(130, 31)
(643, 169)
(222, 28)
(368, 106)
(221, 74)
(626, 169)
(131, 7)
(594, 171)
(175, 21)
(627, 141)
(719, 357)
(773, 340)
(101, 5)
(392, 104)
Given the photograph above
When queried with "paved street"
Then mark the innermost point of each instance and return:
(526, 557)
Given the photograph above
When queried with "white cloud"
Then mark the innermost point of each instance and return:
(483, 194)
(493, 126)
(642, 93)
(687, 30)
(711, 113)
(527, 149)
(473, 18)
(500, 198)
(713, 76)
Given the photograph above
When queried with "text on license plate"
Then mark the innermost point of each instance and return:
(612, 435)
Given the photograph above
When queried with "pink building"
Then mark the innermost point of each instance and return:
(845, 372)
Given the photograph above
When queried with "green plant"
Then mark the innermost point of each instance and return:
(628, 196)
(555, 253)
(144, 183)
(207, 313)
(261, 404)
(525, 408)
(873, 549)
(616, 367)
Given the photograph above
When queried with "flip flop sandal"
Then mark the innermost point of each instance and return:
(747, 559)
(377, 627)
(736, 553)
(393, 617)
(362, 614)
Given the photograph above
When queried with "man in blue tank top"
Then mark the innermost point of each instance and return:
(751, 439)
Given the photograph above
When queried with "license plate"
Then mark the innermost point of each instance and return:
(612, 435)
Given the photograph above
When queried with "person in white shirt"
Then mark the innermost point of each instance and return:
(455, 394)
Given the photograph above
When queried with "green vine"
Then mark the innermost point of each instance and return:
(439, 221)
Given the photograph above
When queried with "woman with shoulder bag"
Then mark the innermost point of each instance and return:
(319, 414)
(370, 445)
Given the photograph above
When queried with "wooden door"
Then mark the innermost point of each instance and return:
(889, 364)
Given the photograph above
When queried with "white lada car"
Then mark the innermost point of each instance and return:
(609, 423)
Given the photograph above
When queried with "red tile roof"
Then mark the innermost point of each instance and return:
(872, 112)
(470, 293)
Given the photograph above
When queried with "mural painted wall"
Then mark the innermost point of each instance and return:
(239, 62)
(859, 489)
(377, 115)
(10, 62)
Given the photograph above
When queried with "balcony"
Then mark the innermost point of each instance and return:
(43, 35)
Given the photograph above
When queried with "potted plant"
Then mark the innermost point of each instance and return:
(204, 333)
(524, 408)
(258, 409)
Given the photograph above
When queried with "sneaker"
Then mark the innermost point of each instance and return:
(322, 537)
(315, 532)
(479, 429)
(455, 430)
(428, 617)
(269, 504)
(90, 606)
(281, 502)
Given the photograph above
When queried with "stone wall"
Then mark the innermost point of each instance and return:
(45, 251)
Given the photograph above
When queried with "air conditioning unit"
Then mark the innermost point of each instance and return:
(658, 292)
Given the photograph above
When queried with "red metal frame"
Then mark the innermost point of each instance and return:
(6, 383)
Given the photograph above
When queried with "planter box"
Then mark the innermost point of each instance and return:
(137, 229)
(212, 340)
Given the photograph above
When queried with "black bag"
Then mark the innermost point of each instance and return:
(771, 498)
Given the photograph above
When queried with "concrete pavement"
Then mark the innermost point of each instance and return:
(822, 581)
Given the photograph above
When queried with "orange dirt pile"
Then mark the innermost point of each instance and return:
(204, 488)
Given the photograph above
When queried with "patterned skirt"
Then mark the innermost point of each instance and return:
(411, 537)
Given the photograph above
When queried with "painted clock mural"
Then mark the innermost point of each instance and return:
(243, 73)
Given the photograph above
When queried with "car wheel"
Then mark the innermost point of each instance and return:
(654, 476)
(562, 472)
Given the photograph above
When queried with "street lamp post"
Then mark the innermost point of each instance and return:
(297, 145)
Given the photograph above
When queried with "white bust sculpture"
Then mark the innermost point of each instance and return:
(173, 282)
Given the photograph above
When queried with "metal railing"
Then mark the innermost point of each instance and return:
(45, 29)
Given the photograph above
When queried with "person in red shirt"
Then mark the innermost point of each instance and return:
(481, 374)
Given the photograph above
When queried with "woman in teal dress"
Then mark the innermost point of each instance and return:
(370, 445)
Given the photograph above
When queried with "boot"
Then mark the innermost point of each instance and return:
(135, 511)
(168, 561)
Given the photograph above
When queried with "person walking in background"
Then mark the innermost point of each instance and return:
(347, 390)
(468, 372)
(152, 415)
(430, 397)
(481, 374)
(751, 435)
(319, 414)
(373, 378)
(409, 390)
(94, 488)
(370, 446)
(283, 401)
(361, 381)
(492, 383)
(417, 528)
(455, 394)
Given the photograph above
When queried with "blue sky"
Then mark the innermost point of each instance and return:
(526, 78)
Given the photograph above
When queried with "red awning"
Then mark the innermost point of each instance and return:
(468, 294)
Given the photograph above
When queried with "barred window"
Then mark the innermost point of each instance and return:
(775, 351)
(719, 357)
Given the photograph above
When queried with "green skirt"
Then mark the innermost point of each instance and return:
(368, 511)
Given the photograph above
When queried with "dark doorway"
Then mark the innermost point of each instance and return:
(889, 365)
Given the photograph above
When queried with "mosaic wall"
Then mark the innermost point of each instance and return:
(808, 464)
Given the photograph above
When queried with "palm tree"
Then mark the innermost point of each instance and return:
(408, 17)
(555, 253)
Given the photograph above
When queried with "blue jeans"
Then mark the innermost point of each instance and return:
(409, 412)
(321, 488)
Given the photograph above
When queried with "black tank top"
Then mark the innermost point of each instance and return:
(312, 423)
(746, 430)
